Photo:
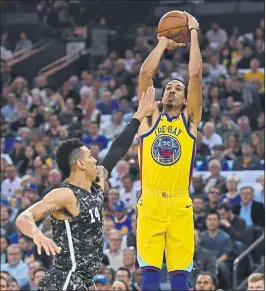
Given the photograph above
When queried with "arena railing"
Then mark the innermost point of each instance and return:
(24, 54)
(237, 261)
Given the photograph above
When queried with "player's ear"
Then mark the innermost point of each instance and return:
(185, 101)
(80, 164)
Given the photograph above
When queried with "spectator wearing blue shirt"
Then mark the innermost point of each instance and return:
(10, 110)
(248, 209)
(107, 105)
(121, 219)
(217, 153)
(220, 244)
(95, 137)
(232, 196)
(15, 266)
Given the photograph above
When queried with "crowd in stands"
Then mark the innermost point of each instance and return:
(228, 183)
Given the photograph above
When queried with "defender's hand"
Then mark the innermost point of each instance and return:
(171, 45)
(146, 104)
(42, 241)
(192, 21)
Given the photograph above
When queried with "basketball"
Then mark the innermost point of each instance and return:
(174, 25)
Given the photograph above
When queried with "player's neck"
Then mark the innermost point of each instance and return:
(172, 112)
(79, 179)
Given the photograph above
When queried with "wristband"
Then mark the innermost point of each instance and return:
(194, 28)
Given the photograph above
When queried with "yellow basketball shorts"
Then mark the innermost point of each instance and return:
(165, 224)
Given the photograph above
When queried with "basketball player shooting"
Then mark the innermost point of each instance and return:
(76, 208)
(167, 150)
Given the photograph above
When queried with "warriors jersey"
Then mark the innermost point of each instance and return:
(166, 155)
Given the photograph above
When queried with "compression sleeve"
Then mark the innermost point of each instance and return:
(120, 145)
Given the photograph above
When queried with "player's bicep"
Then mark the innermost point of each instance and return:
(145, 81)
(194, 99)
(50, 203)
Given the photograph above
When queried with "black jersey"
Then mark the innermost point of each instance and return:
(81, 237)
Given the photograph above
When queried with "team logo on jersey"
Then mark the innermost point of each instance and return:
(166, 150)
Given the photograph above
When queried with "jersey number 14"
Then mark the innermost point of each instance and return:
(96, 214)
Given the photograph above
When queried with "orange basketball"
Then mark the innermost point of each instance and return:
(174, 25)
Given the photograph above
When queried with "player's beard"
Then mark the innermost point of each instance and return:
(169, 106)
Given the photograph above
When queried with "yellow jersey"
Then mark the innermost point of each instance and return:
(166, 155)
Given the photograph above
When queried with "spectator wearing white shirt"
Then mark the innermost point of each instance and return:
(114, 127)
(216, 36)
(24, 43)
(216, 69)
(128, 194)
(211, 138)
(129, 60)
(11, 183)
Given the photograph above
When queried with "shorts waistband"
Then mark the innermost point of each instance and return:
(164, 193)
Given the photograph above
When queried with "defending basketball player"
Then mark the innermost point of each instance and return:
(167, 150)
(76, 208)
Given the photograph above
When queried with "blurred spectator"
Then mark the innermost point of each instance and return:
(230, 223)
(215, 178)
(248, 209)
(216, 36)
(4, 242)
(216, 69)
(214, 196)
(232, 195)
(202, 148)
(121, 169)
(260, 196)
(13, 284)
(120, 285)
(256, 281)
(219, 243)
(128, 194)
(7, 226)
(41, 90)
(24, 43)
(197, 186)
(247, 161)
(110, 274)
(129, 257)
(206, 281)
(108, 225)
(10, 110)
(226, 126)
(203, 258)
(129, 239)
(217, 154)
(114, 252)
(211, 138)
(54, 181)
(95, 137)
(254, 72)
(124, 275)
(15, 266)
(114, 127)
(233, 147)
(121, 219)
(107, 105)
(5, 42)
(38, 274)
(101, 282)
(11, 183)
(199, 213)
(3, 284)
(33, 266)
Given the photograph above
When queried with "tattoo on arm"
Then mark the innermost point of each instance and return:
(49, 211)
(102, 172)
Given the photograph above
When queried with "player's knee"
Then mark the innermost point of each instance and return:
(179, 281)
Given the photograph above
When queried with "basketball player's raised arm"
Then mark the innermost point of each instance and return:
(194, 99)
(49, 204)
(124, 140)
